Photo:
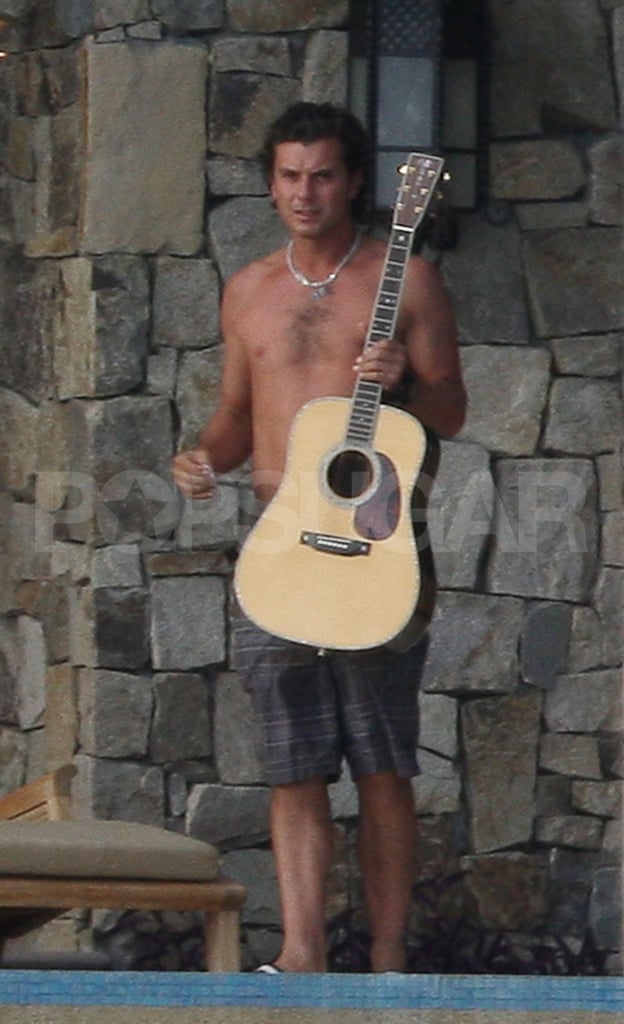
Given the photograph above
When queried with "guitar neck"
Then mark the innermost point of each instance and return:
(420, 176)
(367, 394)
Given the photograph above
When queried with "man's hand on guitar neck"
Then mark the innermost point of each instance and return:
(193, 473)
(384, 362)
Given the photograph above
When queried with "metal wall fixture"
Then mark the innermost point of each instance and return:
(416, 81)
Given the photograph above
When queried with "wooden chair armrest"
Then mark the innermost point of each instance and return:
(47, 798)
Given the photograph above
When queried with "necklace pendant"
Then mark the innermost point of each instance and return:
(321, 291)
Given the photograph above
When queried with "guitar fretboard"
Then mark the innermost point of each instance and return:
(367, 394)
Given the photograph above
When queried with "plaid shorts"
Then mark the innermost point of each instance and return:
(316, 709)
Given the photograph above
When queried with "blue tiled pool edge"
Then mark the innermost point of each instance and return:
(330, 991)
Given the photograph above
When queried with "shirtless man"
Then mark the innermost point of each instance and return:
(286, 343)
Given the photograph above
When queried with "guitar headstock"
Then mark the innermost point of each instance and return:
(420, 174)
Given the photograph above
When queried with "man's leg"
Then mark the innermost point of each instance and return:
(302, 834)
(387, 851)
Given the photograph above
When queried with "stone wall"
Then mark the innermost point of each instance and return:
(128, 193)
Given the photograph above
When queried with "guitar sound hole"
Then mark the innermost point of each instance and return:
(349, 474)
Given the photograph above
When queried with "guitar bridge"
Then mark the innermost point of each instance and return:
(334, 545)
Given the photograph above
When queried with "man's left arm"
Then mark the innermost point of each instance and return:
(422, 370)
(436, 393)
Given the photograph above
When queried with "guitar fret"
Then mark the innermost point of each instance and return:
(389, 286)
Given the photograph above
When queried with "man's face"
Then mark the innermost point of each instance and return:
(312, 188)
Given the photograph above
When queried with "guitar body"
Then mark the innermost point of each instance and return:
(334, 561)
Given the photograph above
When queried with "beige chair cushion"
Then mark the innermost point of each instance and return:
(103, 849)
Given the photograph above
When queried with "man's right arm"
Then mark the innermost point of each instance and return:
(226, 440)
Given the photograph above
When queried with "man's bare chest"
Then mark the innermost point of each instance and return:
(305, 334)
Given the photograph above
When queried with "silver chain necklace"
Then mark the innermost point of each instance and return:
(320, 288)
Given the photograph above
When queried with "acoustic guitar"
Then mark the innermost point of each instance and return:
(340, 558)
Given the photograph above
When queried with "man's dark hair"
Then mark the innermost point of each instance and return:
(309, 122)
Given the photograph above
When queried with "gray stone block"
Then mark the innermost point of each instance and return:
(546, 541)
(121, 627)
(188, 622)
(120, 290)
(243, 229)
(553, 796)
(212, 523)
(26, 353)
(197, 391)
(584, 417)
(234, 177)
(325, 70)
(121, 458)
(189, 15)
(237, 734)
(489, 294)
(550, 68)
(186, 303)
(242, 105)
(27, 540)
(182, 725)
(149, 30)
(473, 644)
(588, 702)
(269, 56)
(61, 726)
(613, 542)
(573, 755)
(255, 869)
(135, 135)
(545, 644)
(161, 373)
(575, 280)
(108, 13)
(115, 713)
(611, 480)
(605, 909)
(577, 831)
(23, 659)
(437, 790)
(508, 388)
(18, 447)
(609, 600)
(57, 199)
(510, 890)
(235, 816)
(460, 513)
(538, 216)
(13, 759)
(536, 169)
(602, 799)
(606, 158)
(31, 672)
(438, 724)
(500, 738)
(118, 790)
(586, 640)
(249, 16)
(593, 355)
(117, 566)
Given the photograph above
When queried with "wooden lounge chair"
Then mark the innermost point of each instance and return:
(50, 864)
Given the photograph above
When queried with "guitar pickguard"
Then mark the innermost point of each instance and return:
(377, 517)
